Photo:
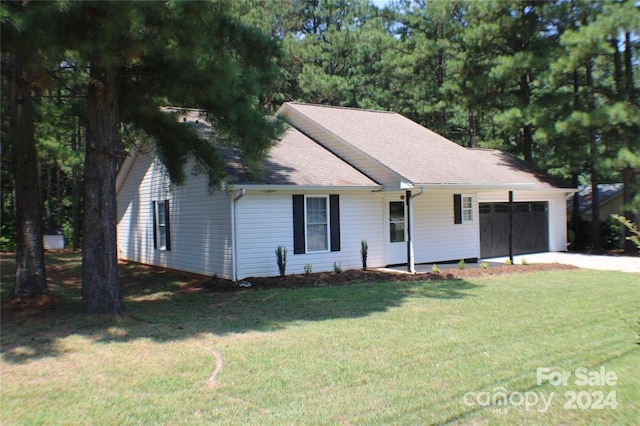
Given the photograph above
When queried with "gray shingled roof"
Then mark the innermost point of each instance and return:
(418, 154)
(503, 168)
(606, 192)
(297, 160)
(294, 160)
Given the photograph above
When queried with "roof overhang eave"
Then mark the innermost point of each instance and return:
(325, 188)
(495, 187)
(479, 187)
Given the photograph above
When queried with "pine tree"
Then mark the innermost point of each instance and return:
(428, 40)
(509, 37)
(23, 46)
(145, 55)
(332, 49)
(603, 117)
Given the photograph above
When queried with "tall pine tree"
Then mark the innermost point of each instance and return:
(25, 45)
(143, 56)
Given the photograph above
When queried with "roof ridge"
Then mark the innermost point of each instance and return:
(341, 107)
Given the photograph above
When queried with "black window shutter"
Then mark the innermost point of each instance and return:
(457, 208)
(167, 228)
(298, 224)
(155, 226)
(334, 218)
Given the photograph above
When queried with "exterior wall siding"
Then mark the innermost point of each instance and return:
(265, 221)
(557, 211)
(201, 225)
(436, 237)
(200, 222)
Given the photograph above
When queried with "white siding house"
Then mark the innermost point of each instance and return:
(199, 225)
(265, 221)
(337, 176)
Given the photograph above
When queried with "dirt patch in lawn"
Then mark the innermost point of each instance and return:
(358, 276)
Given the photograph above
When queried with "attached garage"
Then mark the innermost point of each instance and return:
(530, 228)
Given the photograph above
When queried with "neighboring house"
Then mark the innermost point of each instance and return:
(610, 198)
(339, 176)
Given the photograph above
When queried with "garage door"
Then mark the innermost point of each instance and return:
(530, 228)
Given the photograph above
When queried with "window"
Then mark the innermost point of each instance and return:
(316, 223)
(161, 229)
(396, 221)
(467, 209)
(462, 208)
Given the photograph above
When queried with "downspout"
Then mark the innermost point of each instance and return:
(234, 256)
(411, 264)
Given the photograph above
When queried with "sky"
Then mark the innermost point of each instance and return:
(380, 3)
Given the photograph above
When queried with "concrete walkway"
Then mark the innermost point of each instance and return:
(589, 261)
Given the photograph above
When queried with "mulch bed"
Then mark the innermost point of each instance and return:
(358, 276)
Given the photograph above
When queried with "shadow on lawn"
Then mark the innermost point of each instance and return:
(165, 306)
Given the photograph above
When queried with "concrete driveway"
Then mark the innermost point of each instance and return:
(589, 261)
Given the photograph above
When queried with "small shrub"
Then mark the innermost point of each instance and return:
(281, 256)
(524, 261)
(337, 267)
(308, 269)
(461, 264)
(508, 262)
(632, 227)
(364, 249)
(435, 269)
(8, 231)
(484, 265)
(612, 233)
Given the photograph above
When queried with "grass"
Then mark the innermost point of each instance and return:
(377, 353)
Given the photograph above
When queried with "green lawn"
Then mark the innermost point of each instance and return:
(377, 353)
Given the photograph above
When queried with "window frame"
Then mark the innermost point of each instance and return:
(161, 225)
(327, 223)
(404, 224)
(466, 209)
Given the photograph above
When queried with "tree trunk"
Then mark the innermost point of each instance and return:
(593, 164)
(101, 293)
(49, 202)
(59, 197)
(575, 175)
(629, 174)
(628, 71)
(527, 133)
(75, 191)
(472, 129)
(628, 194)
(595, 201)
(527, 129)
(575, 210)
(30, 279)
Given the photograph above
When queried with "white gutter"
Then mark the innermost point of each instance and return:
(234, 256)
(482, 187)
(412, 259)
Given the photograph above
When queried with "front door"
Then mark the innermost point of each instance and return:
(396, 233)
